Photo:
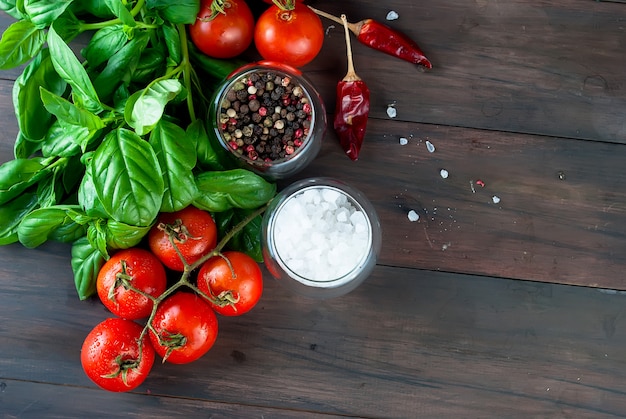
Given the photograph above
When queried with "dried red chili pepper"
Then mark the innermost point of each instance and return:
(353, 106)
(383, 38)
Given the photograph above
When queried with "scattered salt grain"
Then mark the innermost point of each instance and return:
(444, 173)
(430, 147)
(320, 235)
(392, 15)
(391, 111)
(404, 141)
(495, 199)
(413, 216)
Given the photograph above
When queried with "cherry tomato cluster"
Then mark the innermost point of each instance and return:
(287, 31)
(181, 325)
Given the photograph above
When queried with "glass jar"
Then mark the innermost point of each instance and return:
(321, 237)
(268, 118)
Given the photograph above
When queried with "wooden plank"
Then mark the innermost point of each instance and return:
(428, 344)
(553, 67)
(544, 228)
(560, 218)
(21, 399)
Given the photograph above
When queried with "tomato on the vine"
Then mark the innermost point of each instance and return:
(233, 275)
(112, 358)
(135, 267)
(223, 28)
(186, 327)
(193, 231)
(292, 37)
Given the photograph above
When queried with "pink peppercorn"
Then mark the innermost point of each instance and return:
(262, 111)
(289, 149)
(298, 133)
(233, 145)
(307, 108)
(297, 142)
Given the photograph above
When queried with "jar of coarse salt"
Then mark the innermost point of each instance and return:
(321, 237)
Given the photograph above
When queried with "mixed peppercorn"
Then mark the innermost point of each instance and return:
(265, 116)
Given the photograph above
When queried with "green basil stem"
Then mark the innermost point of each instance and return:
(99, 25)
(186, 64)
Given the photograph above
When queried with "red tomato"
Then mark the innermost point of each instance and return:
(111, 358)
(194, 233)
(291, 37)
(223, 35)
(186, 327)
(143, 271)
(244, 280)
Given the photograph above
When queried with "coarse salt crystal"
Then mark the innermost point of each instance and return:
(404, 141)
(413, 216)
(336, 238)
(392, 15)
(430, 147)
(495, 199)
(444, 173)
(391, 111)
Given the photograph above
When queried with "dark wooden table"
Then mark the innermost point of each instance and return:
(478, 309)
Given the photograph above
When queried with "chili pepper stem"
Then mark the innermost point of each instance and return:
(351, 74)
(355, 28)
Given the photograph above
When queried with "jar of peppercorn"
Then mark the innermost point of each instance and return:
(269, 118)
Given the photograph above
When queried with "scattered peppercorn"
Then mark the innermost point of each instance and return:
(265, 116)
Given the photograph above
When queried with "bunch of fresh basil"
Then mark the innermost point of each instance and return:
(108, 141)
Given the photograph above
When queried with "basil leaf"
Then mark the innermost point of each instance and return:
(206, 154)
(43, 12)
(71, 70)
(8, 6)
(121, 12)
(97, 236)
(50, 223)
(172, 40)
(144, 109)
(50, 190)
(104, 44)
(62, 140)
(11, 214)
(127, 178)
(247, 240)
(32, 117)
(69, 113)
(24, 148)
(123, 236)
(20, 42)
(68, 26)
(181, 11)
(17, 175)
(237, 188)
(86, 263)
(177, 158)
(120, 66)
(97, 8)
(88, 197)
(150, 66)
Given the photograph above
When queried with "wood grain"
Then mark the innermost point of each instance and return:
(553, 67)
(560, 218)
(478, 309)
(432, 343)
